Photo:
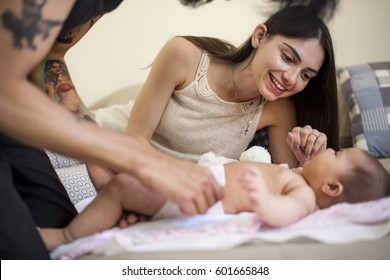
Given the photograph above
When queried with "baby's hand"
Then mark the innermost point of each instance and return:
(253, 182)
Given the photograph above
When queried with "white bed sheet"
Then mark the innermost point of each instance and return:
(341, 224)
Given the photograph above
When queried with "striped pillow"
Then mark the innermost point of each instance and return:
(366, 91)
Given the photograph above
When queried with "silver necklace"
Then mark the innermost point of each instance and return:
(248, 122)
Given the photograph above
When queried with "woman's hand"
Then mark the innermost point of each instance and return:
(306, 142)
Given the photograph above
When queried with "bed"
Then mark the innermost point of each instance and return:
(344, 231)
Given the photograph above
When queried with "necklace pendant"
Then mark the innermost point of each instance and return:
(247, 127)
(246, 130)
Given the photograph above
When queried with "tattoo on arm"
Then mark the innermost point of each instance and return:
(29, 25)
(55, 80)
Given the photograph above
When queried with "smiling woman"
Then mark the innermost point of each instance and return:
(203, 88)
(285, 65)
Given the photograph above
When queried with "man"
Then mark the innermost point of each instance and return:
(31, 194)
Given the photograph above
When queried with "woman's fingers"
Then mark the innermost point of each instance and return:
(306, 142)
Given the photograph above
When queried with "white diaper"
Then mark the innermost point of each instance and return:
(218, 172)
(172, 210)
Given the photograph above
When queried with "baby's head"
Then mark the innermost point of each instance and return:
(350, 175)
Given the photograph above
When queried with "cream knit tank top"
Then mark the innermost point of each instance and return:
(197, 121)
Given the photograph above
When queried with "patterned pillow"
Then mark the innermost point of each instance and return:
(366, 91)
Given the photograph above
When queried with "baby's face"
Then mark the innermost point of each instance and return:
(331, 165)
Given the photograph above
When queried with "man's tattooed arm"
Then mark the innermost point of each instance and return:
(28, 25)
(53, 77)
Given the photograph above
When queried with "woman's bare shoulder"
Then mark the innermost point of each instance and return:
(183, 49)
(276, 111)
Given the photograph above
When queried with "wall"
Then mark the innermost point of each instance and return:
(118, 49)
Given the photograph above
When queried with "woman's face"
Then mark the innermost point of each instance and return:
(282, 66)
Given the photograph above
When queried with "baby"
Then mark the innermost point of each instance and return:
(278, 195)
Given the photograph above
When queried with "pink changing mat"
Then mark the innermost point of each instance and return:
(341, 223)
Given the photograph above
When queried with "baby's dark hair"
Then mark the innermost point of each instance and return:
(369, 180)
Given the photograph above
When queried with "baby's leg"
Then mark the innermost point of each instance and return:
(254, 183)
(124, 192)
(100, 176)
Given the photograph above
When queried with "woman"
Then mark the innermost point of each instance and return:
(204, 94)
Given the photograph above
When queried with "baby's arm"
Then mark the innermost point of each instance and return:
(277, 209)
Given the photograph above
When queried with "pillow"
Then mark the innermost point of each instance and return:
(366, 92)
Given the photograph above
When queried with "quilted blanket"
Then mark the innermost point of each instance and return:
(341, 223)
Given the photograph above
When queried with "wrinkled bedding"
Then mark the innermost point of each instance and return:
(340, 224)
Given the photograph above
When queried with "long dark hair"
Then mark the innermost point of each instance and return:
(316, 104)
(325, 9)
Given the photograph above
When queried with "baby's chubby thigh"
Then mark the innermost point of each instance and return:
(172, 210)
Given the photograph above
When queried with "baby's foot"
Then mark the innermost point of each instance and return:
(254, 183)
(252, 178)
(129, 218)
